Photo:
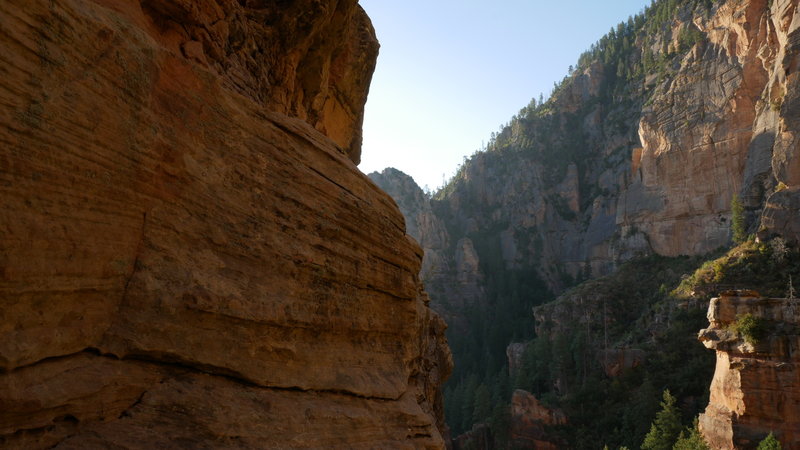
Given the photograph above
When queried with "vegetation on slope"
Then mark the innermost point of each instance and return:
(654, 304)
(630, 310)
(770, 268)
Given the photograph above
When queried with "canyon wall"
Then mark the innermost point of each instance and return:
(610, 168)
(639, 151)
(189, 255)
(754, 391)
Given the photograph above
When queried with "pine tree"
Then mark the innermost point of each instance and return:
(691, 439)
(482, 405)
(454, 397)
(665, 428)
(769, 443)
(468, 402)
(500, 422)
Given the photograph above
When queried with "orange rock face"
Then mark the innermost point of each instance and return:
(188, 253)
(755, 388)
(685, 143)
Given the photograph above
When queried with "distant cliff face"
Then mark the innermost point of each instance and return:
(717, 130)
(189, 255)
(529, 422)
(754, 391)
(610, 168)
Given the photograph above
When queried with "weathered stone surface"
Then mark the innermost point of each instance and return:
(90, 401)
(188, 253)
(699, 128)
(785, 93)
(46, 402)
(307, 59)
(755, 389)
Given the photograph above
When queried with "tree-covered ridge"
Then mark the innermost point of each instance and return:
(618, 49)
(632, 312)
(630, 53)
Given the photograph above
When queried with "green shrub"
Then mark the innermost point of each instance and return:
(666, 428)
(752, 328)
(769, 443)
(691, 439)
(738, 226)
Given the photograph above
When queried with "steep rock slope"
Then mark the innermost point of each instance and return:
(754, 391)
(189, 255)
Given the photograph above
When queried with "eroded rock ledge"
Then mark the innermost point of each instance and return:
(755, 389)
(188, 254)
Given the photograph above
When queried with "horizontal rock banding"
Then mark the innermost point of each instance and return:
(169, 229)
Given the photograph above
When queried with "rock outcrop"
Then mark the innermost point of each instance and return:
(754, 391)
(189, 255)
(530, 421)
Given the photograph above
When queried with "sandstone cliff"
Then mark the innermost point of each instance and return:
(189, 256)
(754, 391)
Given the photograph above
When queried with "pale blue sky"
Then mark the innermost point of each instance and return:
(452, 71)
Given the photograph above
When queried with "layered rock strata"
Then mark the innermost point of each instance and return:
(755, 390)
(189, 256)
